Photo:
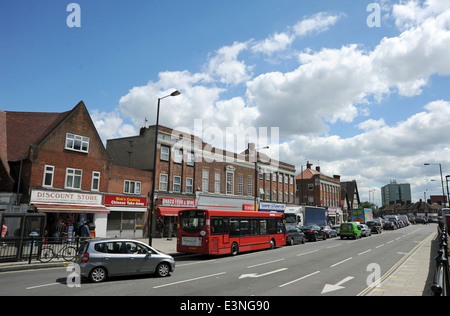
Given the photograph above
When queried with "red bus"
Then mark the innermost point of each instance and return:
(214, 232)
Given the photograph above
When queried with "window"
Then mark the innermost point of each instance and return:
(241, 185)
(176, 184)
(261, 193)
(164, 153)
(73, 178)
(48, 176)
(217, 182)
(205, 180)
(77, 143)
(190, 159)
(250, 187)
(189, 185)
(178, 156)
(274, 195)
(230, 183)
(131, 187)
(95, 181)
(163, 182)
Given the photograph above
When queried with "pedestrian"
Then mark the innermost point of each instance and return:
(85, 231)
(4, 230)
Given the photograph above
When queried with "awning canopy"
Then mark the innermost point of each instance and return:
(169, 211)
(64, 208)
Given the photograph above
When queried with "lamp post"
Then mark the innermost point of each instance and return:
(442, 180)
(152, 196)
(256, 174)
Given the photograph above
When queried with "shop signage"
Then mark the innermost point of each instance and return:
(65, 197)
(248, 207)
(127, 201)
(175, 202)
(272, 207)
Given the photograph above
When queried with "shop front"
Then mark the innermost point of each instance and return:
(126, 219)
(66, 211)
(167, 214)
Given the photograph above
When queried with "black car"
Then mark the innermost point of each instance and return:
(313, 232)
(389, 225)
(375, 227)
(294, 236)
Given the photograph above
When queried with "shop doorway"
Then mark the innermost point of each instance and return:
(125, 224)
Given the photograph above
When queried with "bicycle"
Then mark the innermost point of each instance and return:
(67, 252)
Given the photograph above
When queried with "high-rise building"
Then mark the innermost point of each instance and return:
(396, 193)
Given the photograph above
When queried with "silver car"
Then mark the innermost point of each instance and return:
(101, 258)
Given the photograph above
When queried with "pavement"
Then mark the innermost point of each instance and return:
(411, 276)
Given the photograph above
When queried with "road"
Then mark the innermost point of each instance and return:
(327, 268)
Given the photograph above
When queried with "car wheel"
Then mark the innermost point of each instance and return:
(163, 270)
(291, 242)
(98, 274)
(303, 240)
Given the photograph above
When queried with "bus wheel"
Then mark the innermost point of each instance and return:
(272, 244)
(234, 249)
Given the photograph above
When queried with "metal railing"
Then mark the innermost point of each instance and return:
(29, 248)
(441, 278)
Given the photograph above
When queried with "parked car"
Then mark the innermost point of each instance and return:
(365, 230)
(375, 226)
(294, 236)
(350, 229)
(337, 228)
(102, 258)
(313, 232)
(329, 232)
(389, 225)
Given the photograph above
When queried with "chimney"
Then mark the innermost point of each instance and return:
(318, 169)
(337, 177)
(308, 165)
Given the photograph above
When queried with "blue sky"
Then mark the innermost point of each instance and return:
(368, 103)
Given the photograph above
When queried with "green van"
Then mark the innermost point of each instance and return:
(350, 229)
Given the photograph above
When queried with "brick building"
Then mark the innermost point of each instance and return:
(190, 172)
(58, 164)
(315, 188)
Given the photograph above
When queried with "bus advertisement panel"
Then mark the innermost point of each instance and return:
(214, 232)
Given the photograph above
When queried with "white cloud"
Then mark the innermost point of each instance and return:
(318, 23)
(227, 67)
(326, 86)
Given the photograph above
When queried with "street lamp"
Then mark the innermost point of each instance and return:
(442, 180)
(152, 197)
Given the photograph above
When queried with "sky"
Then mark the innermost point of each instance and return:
(359, 87)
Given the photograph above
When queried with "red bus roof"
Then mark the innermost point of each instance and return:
(238, 213)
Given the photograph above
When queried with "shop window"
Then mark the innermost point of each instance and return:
(77, 143)
(48, 176)
(73, 178)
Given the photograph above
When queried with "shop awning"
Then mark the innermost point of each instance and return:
(63, 208)
(169, 211)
